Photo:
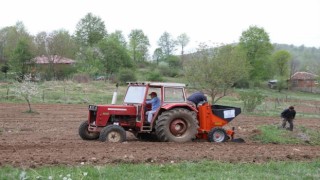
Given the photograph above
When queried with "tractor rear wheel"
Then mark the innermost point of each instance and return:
(85, 134)
(112, 133)
(177, 125)
(217, 135)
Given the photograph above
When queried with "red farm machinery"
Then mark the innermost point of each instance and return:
(176, 120)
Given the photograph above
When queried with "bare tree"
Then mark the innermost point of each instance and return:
(216, 70)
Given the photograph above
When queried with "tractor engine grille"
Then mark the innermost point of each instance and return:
(92, 116)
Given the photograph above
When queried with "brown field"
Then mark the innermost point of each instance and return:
(51, 138)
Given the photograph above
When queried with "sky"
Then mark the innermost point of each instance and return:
(294, 22)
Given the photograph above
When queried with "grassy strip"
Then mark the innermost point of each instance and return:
(274, 134)
(187, 170)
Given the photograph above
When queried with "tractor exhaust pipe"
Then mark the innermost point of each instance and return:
(115, 94)
(114, 98)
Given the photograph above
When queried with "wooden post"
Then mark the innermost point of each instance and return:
(43, 95)
(8, 93)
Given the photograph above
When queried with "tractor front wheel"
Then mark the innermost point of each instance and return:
(217, 135)
(85, 134)
(177, 125)
(112, 133)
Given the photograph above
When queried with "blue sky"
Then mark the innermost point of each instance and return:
(294, 22)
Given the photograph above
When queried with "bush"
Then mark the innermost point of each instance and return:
(165, 70)
(154, 76)
(173, 61)
(126, 75)
(251, 100)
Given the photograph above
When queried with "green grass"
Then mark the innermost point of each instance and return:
(100, 92)
(186, 170)
(67, 92)
(300, 135)
(275, 102)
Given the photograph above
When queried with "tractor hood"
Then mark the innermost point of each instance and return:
(114, 109)
(102, 113)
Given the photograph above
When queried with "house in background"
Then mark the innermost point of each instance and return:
(54, 65)
(305, 81)
(56, 60)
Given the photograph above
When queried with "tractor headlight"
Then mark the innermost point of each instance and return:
(93, 108)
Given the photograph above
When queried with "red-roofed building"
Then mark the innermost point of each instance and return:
(53, 59)
(52, 66)
(305, 81)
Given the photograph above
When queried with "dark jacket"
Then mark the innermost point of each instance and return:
(288, 114)
(197, 97)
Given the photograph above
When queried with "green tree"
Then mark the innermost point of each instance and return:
(61, 43)
(138, 45)
(281, 60)
(167, 44)
(114, 56)
(90, 30)
(9, 38)
(158, 55)
(256, 44)
(216, 70)
(183, 40)
(89, 61)
(119, 37)
(21, 59)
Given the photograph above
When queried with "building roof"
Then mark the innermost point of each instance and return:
(53, 59)
(303, 76)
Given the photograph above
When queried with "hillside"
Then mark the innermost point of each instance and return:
(306, 58)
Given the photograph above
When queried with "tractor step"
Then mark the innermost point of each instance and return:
(146, 128)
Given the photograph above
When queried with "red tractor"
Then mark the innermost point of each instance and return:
(176, 120)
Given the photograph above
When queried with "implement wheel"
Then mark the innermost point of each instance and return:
(217, 135)
(177, 125)
(112, 133)
(85, 134)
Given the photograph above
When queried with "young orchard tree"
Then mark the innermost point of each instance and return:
(26, 90)
(216, 70)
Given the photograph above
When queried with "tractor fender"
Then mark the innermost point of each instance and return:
(166, 107)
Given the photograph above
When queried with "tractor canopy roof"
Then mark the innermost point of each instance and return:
(163, 84)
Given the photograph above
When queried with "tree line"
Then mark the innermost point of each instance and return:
(212, 68)
(95, 50)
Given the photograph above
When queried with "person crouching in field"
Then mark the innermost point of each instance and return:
(288, 115)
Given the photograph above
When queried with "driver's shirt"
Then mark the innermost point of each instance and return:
(155, 103)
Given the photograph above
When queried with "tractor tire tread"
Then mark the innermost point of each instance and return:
(162, 125)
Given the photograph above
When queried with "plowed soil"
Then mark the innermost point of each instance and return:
(50, 137)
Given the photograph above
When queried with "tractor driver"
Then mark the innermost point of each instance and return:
(155, 104)
(197, 98)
